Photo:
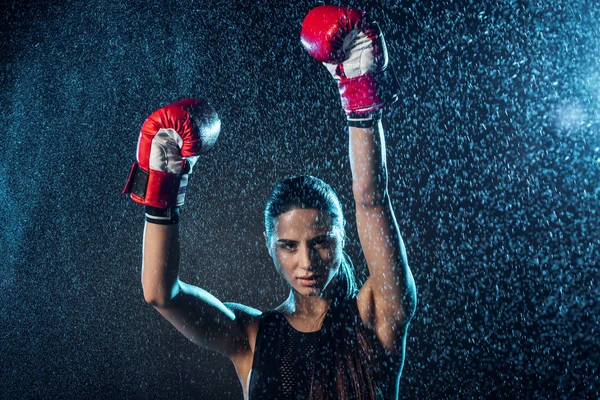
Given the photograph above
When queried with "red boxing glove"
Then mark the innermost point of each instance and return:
(354, 51)
(170, 141)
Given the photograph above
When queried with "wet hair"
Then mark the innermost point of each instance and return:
(312, 193)
(347, 365)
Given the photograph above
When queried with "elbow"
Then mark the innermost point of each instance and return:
(370, 194)
(368, 199)
(159, 296)
(156, 299)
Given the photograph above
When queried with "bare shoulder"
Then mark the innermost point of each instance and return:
(247, 319)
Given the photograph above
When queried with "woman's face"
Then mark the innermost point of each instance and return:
(306, 249)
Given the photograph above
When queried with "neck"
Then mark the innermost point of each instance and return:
(305, 306)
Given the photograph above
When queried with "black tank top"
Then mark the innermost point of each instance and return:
(284, 360)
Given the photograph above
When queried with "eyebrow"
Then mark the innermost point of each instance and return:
(320, 237)
(316, 238)
(286, 241)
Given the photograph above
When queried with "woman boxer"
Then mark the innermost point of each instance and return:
(328, 339)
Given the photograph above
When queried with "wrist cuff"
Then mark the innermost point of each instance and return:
(367, 120)
(162, 216)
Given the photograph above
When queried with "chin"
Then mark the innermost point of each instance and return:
(310, 291)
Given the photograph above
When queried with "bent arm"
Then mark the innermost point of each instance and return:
(389, 293)
(197, 314)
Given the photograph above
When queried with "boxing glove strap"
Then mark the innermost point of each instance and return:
(137, 182)
(162, 216)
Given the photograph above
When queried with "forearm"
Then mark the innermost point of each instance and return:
(368, 164)
(160, 266)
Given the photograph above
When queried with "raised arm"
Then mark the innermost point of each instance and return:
(196, 313)
(353, 50)
(170, 141)
(389, 293)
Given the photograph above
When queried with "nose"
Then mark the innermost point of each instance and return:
(307, 261)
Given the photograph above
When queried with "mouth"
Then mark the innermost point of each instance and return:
(308, 280)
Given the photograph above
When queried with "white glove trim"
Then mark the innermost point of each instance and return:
(165, 154)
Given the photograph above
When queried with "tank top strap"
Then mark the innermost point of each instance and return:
(266, 364)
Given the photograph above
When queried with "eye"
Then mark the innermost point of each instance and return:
(289, 246)
(322, 242)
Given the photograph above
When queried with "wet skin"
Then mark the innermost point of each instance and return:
(307, 251)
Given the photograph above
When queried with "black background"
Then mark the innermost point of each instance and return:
(494, 161)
